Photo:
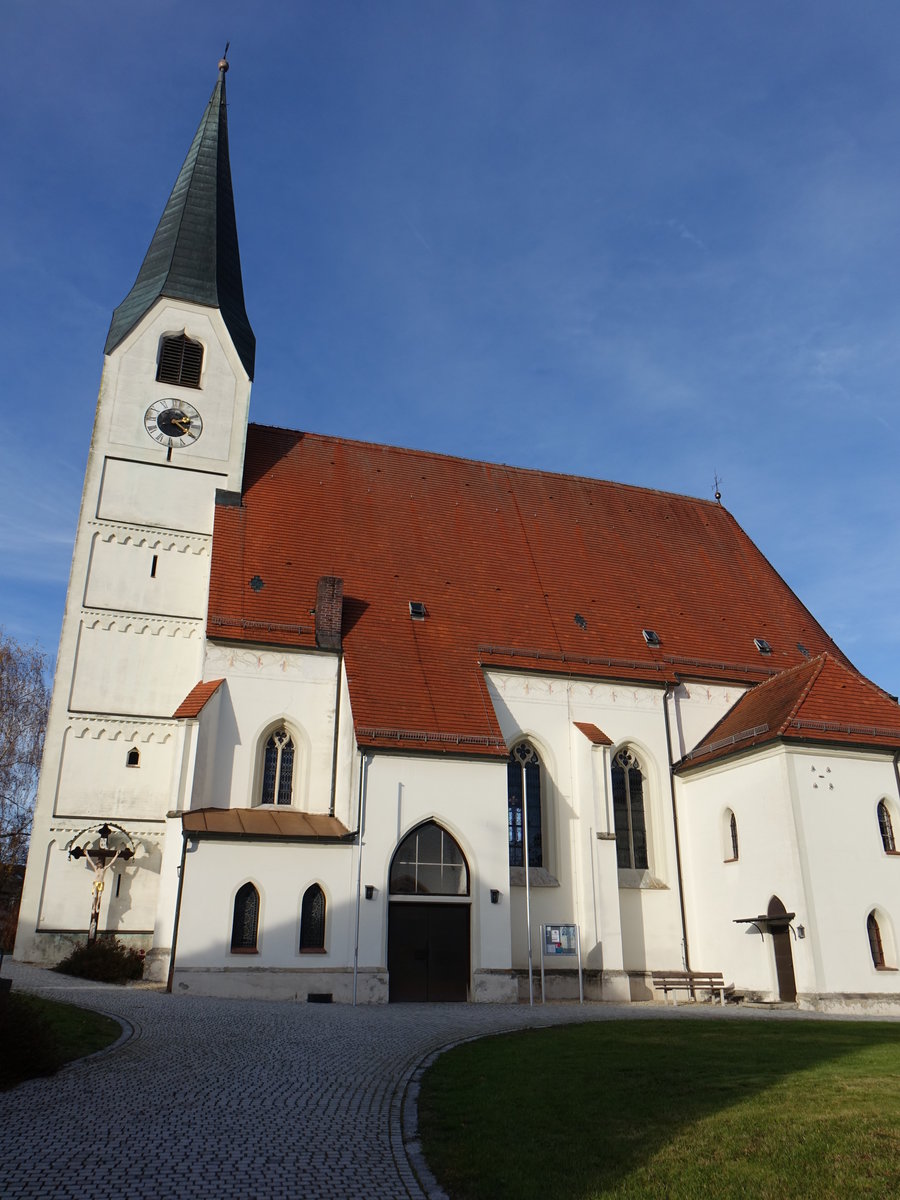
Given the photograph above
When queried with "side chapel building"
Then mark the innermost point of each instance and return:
(315, 683)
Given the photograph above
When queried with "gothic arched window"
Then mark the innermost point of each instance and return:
(429, 862)
(180, 361)
(886, 828)
(876, 946)
(628, 811)
(523, 789)
(731, 837)
(312, 920)
(245, 925)
(278, 769)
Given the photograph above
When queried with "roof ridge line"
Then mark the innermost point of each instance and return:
(801, 699)
(419, 452)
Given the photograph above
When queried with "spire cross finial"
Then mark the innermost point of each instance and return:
(223, 61)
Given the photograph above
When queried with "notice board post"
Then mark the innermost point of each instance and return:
(561, 941)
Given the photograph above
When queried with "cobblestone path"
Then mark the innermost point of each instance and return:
(243, 1098)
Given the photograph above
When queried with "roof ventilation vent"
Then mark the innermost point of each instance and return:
(651, 637)
(803, 650)
(417, 610)
(580, 621)
(762, 645)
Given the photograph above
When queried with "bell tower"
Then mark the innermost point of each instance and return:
(169, 433)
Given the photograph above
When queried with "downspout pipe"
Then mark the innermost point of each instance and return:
(171, 975)
(337, 726)
(360, 819)
(670, 691)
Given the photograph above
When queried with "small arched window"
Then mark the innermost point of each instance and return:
(523, 787)
(133, 757)
(876, 946)
(245, 925)
(731, 837)
(429, 862)
(278, 769)
(886, 828)
(180, 361)
(312, 920)
(628, 812)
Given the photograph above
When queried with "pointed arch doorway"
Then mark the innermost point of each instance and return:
(779, 922)
(429, 918)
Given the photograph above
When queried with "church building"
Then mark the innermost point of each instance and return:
(342, 720)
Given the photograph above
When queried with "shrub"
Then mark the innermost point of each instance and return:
(107, 960)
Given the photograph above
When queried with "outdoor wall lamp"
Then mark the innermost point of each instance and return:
(370, 891)
(495, 895)
(801, 932)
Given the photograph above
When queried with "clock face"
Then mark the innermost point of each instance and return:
(173, 422)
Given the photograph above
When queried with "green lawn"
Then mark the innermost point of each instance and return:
(655, 1108)
(38, 1036)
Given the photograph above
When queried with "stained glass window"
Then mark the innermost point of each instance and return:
(523, 777)
(312, 919)
(628, 811)
(278, 769)
(246, 918)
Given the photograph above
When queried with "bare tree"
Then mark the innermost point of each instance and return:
(24, 697)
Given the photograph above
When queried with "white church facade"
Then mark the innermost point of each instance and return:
(360, 709)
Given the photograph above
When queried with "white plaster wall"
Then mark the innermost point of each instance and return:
(543, 709)
(468, 798)
(65, 902)
(836, 795)
(140, 665)
(121, 573)
(222, 399)
(170, 497)
(94, 775)
(281, 873)
(756, 788)
(263, 687)
(696, 707)
(119, 666)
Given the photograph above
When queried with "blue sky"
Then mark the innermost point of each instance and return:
(648, 242)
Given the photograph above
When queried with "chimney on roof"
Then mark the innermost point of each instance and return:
(329, 606)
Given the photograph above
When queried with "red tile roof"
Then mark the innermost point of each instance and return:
(503, 559)
(593, 733)
(263, 822)
(819, 701)
(196, 698)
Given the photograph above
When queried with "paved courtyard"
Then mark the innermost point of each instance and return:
(238, 1099)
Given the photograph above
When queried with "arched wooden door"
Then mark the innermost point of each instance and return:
(784, 956)
(428, 918)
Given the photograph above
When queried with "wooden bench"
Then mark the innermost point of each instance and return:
(691, 982)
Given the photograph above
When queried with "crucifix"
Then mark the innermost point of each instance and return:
(101, 857)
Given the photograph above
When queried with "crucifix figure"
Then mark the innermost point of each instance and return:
(101, 857)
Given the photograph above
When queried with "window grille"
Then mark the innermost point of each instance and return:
(876, 946)
(886, 828)
(246, 918)
(628, 812)
(312, 919)
(732, 830)
(278, 769)
(180, 361)
(523, 775)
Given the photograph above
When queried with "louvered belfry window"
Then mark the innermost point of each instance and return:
(180, 361)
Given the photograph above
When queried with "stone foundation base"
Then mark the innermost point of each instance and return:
(869, 1004)
(46, 949)
(273, 983)
(609, 987)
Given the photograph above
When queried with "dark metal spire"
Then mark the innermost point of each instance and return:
(194, 252)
